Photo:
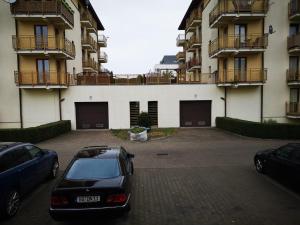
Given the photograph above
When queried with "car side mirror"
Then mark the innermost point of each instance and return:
(131, 156)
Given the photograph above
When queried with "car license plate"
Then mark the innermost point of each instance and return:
(88, 199)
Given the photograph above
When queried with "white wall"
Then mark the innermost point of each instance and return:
(9, 95)
(118, 98)
(40, 106)
(276, 91)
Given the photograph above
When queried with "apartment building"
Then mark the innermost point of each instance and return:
(46, 47)
(251, 50)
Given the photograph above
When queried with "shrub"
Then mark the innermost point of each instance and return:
(137, 130)
(144, 120)
(259, 130)
(35, 134)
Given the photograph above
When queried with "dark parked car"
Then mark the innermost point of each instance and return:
(97, 179)
(284, 161)
(22, 167)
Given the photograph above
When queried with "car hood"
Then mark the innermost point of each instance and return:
(101, 183)
(265, 152)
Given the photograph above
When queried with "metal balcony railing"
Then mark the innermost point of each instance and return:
(293, 109)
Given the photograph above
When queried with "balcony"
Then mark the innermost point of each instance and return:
(89, 65)
(33, 45)
(194, 20)
(293, 110)
(180, 56)
(88, 78)
(238, 11)
(235, 78)
(89, 44)
(53, 11)
(193, 65)
(102, 57)
(48, 80)
(180, 41)
(293, 44)
(87, 20)
(293, 77)
(102, 41)
(202, 78)
(294, 10)
(234, 45)
(193, 43)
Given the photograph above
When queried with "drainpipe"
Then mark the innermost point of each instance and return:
(59, 104)
(262, 104)
(21, 107)
(225, 101)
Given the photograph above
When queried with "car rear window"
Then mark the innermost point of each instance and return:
(93, 169)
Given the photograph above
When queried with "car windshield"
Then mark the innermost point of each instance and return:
(93, 169)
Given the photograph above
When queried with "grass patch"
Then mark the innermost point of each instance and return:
(153, 133)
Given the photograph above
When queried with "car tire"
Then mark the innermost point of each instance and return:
(54, 169)
(260, 166)
(12, 204)
(127, 208)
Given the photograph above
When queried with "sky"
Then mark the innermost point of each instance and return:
(140, 32)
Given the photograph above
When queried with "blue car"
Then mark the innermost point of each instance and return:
(22, 167)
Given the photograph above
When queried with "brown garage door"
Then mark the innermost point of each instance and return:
(195, 113)
(92, 115)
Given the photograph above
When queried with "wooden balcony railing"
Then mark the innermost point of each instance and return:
(87, 17)
(202, 78)
(34, 78)
(43, 7)
(238, 7)
(251, 42)
(92, 79)
(88, 40)
(293, 42)
(180, 56)
(294, 8)
(193, 63)
(36, 43)
(293, 109)
(90, 63)
(194, 40)
(196, 15)
(293, 75)
(253, 75)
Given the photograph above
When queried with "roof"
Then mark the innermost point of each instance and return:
(5, 145)
(169, 59)
(99, 152)
(194, 4)
(94, 14)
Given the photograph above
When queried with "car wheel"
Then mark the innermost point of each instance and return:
(259, 165)
(54, 169)
(12, 204)
(127, 208)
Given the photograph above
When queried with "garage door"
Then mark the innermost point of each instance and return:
(92, 115)
(195, 113)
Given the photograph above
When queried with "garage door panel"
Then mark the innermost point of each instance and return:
(92, 115)
(195, 113)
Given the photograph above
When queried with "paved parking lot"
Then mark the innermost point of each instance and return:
(204, 176)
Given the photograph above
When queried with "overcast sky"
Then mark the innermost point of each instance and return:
(140, 32)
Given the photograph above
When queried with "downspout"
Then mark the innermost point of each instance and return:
(262, 104)
(225, 101)
(20, 90)
(59, 104)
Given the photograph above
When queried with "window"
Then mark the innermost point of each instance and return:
(21, 156)
(94, 169)
(41, 37)
(294, 95)
(284, 152)
(34, 151)
(6, 162)
(296, 156)
(294, 65)
(294, 29)
(134, 113)
(240, 69)
(240, 32)
(43, 71)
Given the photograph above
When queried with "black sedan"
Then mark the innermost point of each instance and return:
(284, 161)
(98, 179)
